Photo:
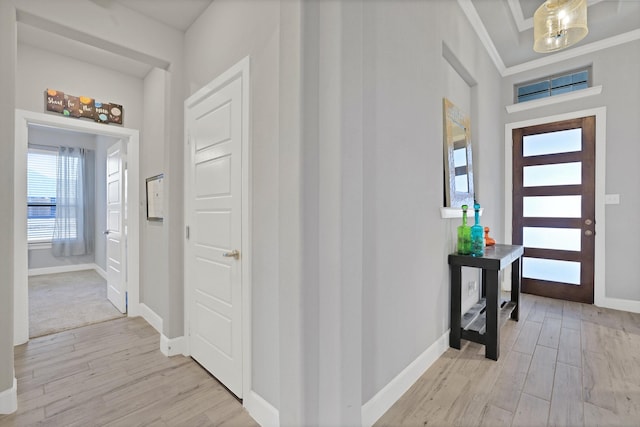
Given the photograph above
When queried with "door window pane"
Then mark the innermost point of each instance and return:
(551, 270)
(552, 206)
(564, 141)
(554, 174)
(564, 239)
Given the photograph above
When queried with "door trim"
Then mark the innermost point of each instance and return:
(242, 69)
(23, 119)
(599, 283)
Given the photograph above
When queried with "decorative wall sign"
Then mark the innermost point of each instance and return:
(83, 106)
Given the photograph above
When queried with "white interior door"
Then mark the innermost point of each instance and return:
(115, 232)
(214, 214)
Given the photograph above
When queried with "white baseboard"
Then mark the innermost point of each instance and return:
(260, 410)
(9, 399)
(619, 304)
(61, 269)
(172, 346)
(151, 317)
(168, 346)
(385, 398)
(100, 271)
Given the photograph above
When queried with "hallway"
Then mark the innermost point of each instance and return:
(112, 373)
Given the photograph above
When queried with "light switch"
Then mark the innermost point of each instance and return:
(611, 199)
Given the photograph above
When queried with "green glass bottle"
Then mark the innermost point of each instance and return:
(464, 234)
(477, 234)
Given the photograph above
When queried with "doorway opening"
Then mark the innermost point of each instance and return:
(63, 301)
(537, 191)
(25, 121)
(554, 207)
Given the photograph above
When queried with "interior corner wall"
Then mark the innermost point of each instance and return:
(7, 142)
(616, 69)
(224, 34)
(406, 276)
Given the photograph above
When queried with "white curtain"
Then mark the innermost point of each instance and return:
(73, 229)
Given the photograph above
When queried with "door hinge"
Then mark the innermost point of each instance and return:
(187, 232)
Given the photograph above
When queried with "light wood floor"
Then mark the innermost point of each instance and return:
(563, 364)
(113, 374)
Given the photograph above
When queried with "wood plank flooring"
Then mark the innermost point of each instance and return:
(113, 374)
(563, 364)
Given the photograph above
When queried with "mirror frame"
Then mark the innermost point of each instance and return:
(454, 117)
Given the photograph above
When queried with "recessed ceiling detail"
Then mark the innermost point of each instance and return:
(508, 27)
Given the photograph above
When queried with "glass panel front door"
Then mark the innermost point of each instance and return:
(554, 207)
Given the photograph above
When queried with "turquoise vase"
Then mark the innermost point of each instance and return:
(464, 234)
(477, 234)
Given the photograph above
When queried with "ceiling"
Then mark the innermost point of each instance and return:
(504, 26)
(177, 14)
(509, 26)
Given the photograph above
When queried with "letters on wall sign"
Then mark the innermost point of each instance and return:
(83, 106)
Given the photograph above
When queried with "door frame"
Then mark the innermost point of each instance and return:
(599, 283)
(23, 119)
(242, 70)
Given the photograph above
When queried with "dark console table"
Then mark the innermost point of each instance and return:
(481, 323)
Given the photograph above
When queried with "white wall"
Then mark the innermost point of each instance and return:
(39, 70)
(406, 276)
(616, 69)
(7, 126)
(225, 33)
(154, 291)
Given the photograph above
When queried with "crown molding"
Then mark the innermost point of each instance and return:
(518, 16)
(475, 21)
(573, 53)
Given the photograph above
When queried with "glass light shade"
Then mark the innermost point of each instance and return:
(558, 24)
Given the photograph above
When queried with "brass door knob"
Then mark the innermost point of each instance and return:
(233, 254)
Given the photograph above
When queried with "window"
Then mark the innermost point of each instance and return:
(553, 85)
(41, 194)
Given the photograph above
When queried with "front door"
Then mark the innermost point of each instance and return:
(554, 207)
(115, 232)
(213, 262)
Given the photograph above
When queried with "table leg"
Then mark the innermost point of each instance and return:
(484, 283)
(456, 289)
(492, 346)
(516, 278)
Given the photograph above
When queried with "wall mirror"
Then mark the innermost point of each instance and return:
(458, 167)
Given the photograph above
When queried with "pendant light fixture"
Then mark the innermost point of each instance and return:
(558, 24)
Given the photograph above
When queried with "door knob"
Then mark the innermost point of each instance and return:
(105, 232)
(588, 233)
(233, 254)
(588, 222)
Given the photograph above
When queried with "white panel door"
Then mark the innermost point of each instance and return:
(115, 232)
(214, 261)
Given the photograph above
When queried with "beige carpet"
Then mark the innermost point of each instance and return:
(58, 302)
